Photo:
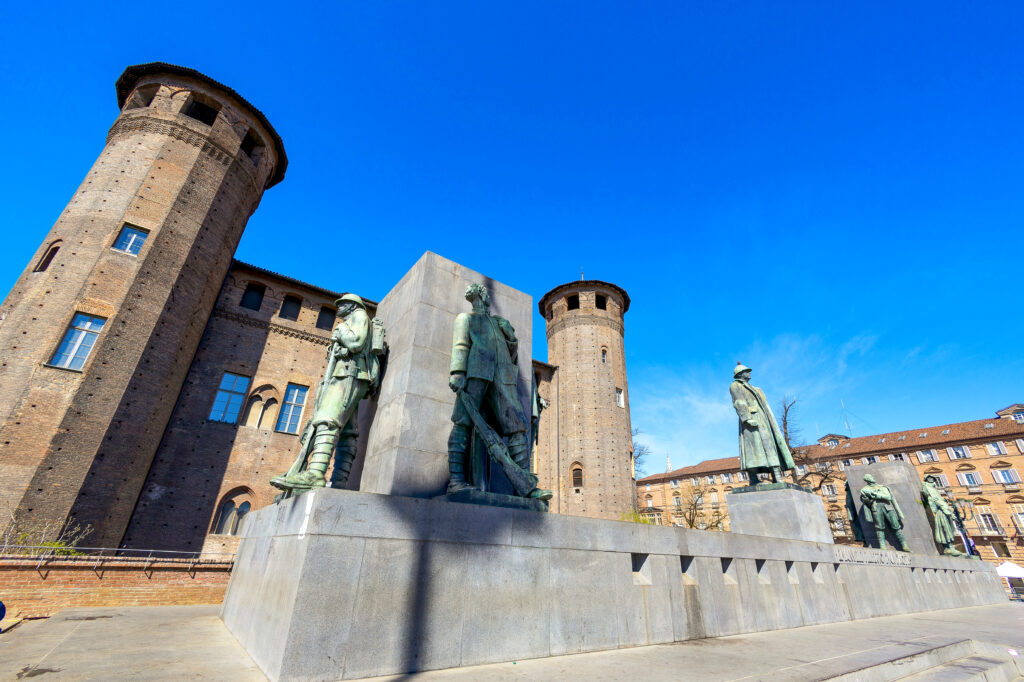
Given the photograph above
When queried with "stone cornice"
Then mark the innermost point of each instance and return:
(241, 318)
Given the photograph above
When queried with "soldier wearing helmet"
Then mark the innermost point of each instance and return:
(763, 448)
(350, 369)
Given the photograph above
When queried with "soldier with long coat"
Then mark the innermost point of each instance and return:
(763, 447)
(942, 516)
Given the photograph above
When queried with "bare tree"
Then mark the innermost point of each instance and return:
(640, 450)
(697, 508)
(41, 537)
(790, 428)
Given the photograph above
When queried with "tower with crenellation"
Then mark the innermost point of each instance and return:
(102, 326)
(585, 448)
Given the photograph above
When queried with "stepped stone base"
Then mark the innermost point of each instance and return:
(342, 585)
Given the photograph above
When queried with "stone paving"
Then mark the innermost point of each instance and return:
(191, 643)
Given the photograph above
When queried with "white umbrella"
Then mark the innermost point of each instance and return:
(1008, 569)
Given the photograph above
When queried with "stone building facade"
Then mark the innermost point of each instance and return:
(980, 462)
(151, 385)
(587, 438)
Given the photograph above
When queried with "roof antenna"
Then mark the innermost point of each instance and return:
(849, 431)
(581, 273)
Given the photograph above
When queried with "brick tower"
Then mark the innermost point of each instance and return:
(585, 447)
(99, 331)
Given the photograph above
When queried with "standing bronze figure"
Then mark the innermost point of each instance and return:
(763, 447)
(943, 518)
(882, 509)
(484, 372)
(353, 368)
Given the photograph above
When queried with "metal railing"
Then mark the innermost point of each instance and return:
(44, 554)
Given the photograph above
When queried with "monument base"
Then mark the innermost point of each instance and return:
(779, 510)
(336, 584)
(474, 496)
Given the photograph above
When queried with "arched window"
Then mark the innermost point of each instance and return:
(47, 258)
(254, 411)
(291, 307)
(604, 355)
(231, 515)
(577, 476)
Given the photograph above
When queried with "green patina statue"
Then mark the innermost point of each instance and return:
(484, 372)
(354, 365)
(881, 508)
(943, 518)
(851, 516)
(763, 447)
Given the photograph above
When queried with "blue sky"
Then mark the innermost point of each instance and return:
(829, 192)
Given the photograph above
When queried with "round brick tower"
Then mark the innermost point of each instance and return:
(100, 329)
(587, 454)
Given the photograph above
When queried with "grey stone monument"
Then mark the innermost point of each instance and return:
(779, 510)
(902, 479)
(407, 446)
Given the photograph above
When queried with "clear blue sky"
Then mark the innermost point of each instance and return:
(829, 192)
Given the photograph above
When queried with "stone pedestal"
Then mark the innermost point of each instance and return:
(407, 445)
(339, 585)
(905, 483)
(779, 511)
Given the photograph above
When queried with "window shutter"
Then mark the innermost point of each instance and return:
(944, 480)
(1001, 447)
(1020, 444)
(951, 453)
(921, 457)
(962, 479)
(1014, 475)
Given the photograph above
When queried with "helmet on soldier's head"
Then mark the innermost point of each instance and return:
(350, 298)
(739, 369)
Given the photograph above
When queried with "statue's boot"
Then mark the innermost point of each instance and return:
(344, 455)
(315, 474)
(458, 445)
(902, 541)
(881, 543)
(519, 451)
(777, 474)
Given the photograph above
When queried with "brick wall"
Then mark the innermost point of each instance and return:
(31, 591)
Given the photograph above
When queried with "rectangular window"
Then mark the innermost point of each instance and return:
(1018, 417)
(620, 398)
(970, 478)
(1020, 445)
(674, 483)
(130, 240)
(572, 302)
(801, 469)
(958, 452)
(996, 448)
(714, 499)
(78, 341)
(291, 411)
(677, 501)
(325, 319)
(709, 480)
(898, 457)
(927, 456)
(290, 308)
(1006, 476)
(726, 478)
(743, 476)
(870, 460)
(253, 296)
(230, 396)
(650, 503)
(828, 489)
(600, 302)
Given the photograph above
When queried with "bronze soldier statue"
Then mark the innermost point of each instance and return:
(882, 508)
(353, 368)
(943, 518)
(763, 447)
(484, 371)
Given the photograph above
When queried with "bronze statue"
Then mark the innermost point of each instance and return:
(484, 371)
(354, 361)
(943, 518)
(763, 448)
(881, 508)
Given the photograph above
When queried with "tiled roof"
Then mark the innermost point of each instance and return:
(978, 431)
(320, 290)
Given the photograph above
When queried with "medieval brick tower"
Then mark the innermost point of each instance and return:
(99, 331)
(585, 449)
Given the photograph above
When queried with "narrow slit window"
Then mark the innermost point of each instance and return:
(47, 258)
(290, 307)
(577, 477)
